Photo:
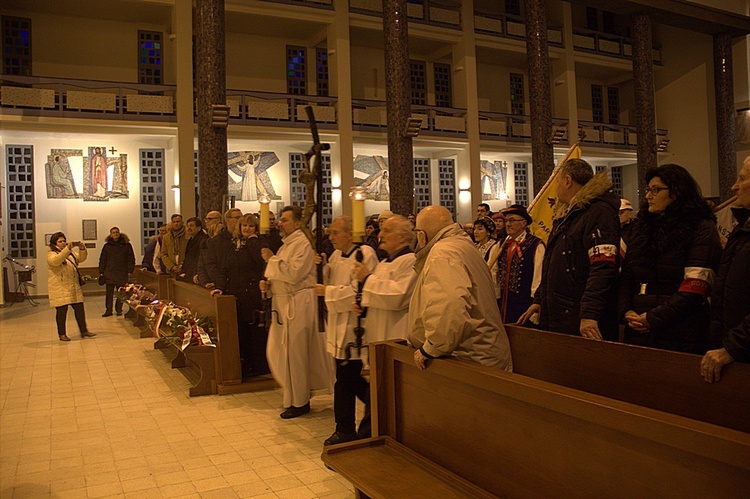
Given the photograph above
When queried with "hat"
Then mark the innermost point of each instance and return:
(385, 214)
(517, 209)
(625, 205)
(488, 224)
(498, 216)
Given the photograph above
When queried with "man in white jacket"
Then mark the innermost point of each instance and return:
(296, 350)
(453, 311)
(340, 290)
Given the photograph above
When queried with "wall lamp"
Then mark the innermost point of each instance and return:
(662, 145)
(413, 125)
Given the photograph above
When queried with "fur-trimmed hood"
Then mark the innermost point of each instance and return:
(124, 239)
(597, 187)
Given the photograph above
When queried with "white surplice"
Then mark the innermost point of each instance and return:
(296, 350)
(341, 289)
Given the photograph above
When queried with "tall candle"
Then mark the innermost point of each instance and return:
(265, 219)
(357, 196)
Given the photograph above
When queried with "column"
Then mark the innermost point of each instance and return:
(540, 96)
(725, 114)
(645, 111)
(210, 71)
(183, 23)
(398, 105)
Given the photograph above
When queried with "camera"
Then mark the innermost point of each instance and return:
(76, 243)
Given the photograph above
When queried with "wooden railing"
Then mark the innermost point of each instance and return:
(420, 11)
(510, 26)
(607, 44)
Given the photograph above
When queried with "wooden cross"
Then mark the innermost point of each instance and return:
(112, 150)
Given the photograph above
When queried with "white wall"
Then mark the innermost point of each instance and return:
(66, 215)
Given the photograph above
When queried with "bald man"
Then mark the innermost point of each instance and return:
(453, 311)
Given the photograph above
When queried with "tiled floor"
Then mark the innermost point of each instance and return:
(107, 417)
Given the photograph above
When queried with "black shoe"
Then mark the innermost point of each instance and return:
(340, 438)
(117, 313)
(88, 334)
(295, 412)
(108, 313)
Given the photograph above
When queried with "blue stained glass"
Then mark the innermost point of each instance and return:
(24, 33)
(144, 60)
(157, 45)
(158, 62)
(290, 73)
(157, 72)
(147, 45)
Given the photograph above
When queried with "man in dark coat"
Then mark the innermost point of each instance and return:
(730, 324)
(195, 232)
(116, 261)
(578, 293)
(220, 247)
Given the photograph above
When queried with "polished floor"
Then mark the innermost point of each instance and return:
(108, 417)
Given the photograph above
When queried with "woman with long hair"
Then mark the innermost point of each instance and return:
(64, 283)
(670, 265)
(241, 272)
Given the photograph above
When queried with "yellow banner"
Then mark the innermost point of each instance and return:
(541, 209)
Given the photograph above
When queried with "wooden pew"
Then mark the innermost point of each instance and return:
(459, 429)
(659, 379)
(227, 373)
(157, 284)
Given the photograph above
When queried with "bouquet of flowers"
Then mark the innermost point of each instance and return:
(134, 295)
(182, 327)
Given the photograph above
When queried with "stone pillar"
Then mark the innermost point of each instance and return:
(398, 105)
(210, 73)
(725, 114)
(645, 110)
(182, 21)
(540, 96)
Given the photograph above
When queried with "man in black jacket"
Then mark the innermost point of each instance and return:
(194, 229)
(730, 307)
(116, 261)
(578, 292)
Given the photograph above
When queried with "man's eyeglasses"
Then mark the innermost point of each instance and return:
(655, 190)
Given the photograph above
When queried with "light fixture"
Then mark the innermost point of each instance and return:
(413, 125)
(662, 146)
(219, 115)
(557, 136)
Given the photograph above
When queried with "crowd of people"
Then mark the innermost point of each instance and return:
(659, 279)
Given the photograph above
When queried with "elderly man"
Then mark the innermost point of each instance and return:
(339, 291)
(173, 246)
(212, 218)
(220, 247)
(578, 292)
(730, 307)
(296, 351)
(453, 309)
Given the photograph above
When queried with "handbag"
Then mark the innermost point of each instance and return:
(102, 280)
(80, 278)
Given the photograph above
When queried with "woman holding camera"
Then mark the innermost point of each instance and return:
(64, 283)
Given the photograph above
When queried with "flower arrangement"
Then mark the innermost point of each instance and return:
(134, 295)
(178, 325)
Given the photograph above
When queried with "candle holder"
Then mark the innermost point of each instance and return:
(265, 219)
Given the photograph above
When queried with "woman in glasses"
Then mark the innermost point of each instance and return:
(670, 264)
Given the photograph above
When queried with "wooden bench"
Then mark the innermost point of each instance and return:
(459, 429)
(226, 374)
(157, 284)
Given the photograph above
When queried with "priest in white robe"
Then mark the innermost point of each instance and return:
(296, 350)
(340, 290)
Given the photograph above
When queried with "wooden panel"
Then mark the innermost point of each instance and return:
(517, 436)
(659, 379)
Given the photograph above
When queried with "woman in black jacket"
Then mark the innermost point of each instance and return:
(116, 261)
(670, 265)
(240, 275)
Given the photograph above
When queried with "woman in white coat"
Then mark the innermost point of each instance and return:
(64, 284)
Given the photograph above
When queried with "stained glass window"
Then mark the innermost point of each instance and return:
(597, 104)
(296, 70)
(16, 45)
(443, 90)
(517, 105)
(447, 189)
(422, 182)
(150, 61)
(521, 179)
(152, 192)
(20, 165)
(418, 83)
(321, 71)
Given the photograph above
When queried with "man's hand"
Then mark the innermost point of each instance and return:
(420, 360)
(712, 363)
(637, 322)
(590, 329)
(266, 253)
(320, 290)
(535, 308)
(356, 309)
(361, 271)
(263, 285)
(320, 258)
(209, 285)
(215, 292)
